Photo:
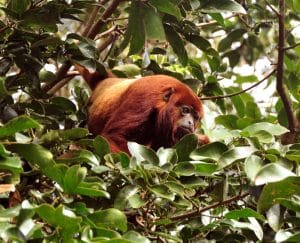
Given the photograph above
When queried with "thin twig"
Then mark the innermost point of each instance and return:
(197, 212)
(292, 47)
(239, 92)
(272, 8)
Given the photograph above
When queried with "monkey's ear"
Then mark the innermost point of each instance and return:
(168, 93)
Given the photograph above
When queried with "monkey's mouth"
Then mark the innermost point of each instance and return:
(181, 131)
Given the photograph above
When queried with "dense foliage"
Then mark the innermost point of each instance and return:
(60, 183)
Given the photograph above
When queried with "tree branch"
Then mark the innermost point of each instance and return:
(197, 212)
(292, 47)
(280, 69)
(107, 13)
(239, 92)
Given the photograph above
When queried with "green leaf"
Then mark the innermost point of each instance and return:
(123, 196)
(184, 169)
(246, 79)
(133, 236)
(73, 177)
(274, 129)
(111, 217)
(228, 121)
(235, 154)
(74, 133)
(185, 146)
(252, 166)
(209, 151)
(61, 217)
(177, 44)
(101, 146)
(237, 101)
(272, 173)
(129, 69)
(19, 6)
(18, 124)
(199, 41)
(233, 36)
(79, 156)
(12, 164)
(205, 169)
(163, 192)
(176, 187)
(220, 6)
(166, 156)
(244, 213)
(142, 153)
(153, 25)
(136, 26)
(218, 17)
(290, 204)
(296, 5)
(280, 189)
(166, 6)
(91, 189)
(252, 111)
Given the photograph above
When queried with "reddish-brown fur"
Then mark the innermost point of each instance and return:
(125, 110)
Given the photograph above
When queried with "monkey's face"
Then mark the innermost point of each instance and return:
(187, 121)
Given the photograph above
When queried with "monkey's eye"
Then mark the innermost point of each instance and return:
(185, 110)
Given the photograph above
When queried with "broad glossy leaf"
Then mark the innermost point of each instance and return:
(253, 164)
(280, 189)
(12, 164)
(60, 217)
(101, 146)
(185, 146)
(163, 192)
(19, 6)
(134, 236)
(91, 189)
(246, 79)
(244, 213)
(18, 124)
(220, 6)
(136, 27)
(290, 204)
(177, 44)
(166, 6)
(205, 169)
(153, 25)
(121, 201)
(274, 217)
(112, 218)
(235, 154)
(166, 156)
(253, 226)
(252, 111)
(293, 155)
(274, 129)
(228, 121)
(73, 177)
(79, 156)
(296, 5)
(184, 169)
(143, 153)
(209, 151)
(233, 36)
(272, 173)
(74, 133)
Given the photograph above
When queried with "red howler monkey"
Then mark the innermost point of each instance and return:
(154, 110)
